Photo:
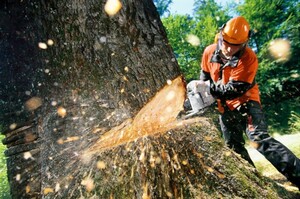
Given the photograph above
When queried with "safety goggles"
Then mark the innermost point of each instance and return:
(232, 43)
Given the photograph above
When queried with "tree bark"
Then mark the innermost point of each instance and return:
(89, 103)
(100, 69)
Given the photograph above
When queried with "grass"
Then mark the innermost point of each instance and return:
(266, 168)
(4, 187)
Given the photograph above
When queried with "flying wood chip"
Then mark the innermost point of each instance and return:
(112, 7)
(48, 190)
(158, 115)
(33, 103)
(62, 112)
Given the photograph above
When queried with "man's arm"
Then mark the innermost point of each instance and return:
(204, 76)
(231, 90)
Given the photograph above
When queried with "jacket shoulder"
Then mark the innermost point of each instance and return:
(249, 53)
(210, 49)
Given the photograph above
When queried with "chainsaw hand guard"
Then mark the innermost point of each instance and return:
(198, 97)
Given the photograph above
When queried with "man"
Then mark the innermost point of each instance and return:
(231, 66)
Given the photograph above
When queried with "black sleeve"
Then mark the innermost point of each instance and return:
(204, 75)
(231, 90)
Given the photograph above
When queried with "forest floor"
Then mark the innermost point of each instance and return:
(262, 165)
(267, 169)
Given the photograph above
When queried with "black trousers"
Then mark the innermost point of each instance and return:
(250, 118)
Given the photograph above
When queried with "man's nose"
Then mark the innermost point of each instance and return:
(229, 49)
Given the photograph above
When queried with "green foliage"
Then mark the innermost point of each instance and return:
(178, 27)
(265, 17)
(283, 117)
(210, 10)
(272, 20)
(4, 187)
(294, 122)
(162, 6)
(204, 25)
(279, 81)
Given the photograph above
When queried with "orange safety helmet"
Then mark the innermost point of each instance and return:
(236, 30)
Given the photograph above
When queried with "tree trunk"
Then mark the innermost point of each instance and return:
(71, 73)
(90, 100)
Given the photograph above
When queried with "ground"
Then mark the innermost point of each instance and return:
(267, 169)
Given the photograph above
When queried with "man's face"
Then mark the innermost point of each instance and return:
(228, 49)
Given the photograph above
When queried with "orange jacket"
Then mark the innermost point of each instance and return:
(245, 71)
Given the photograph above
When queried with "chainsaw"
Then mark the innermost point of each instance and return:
(198, 99)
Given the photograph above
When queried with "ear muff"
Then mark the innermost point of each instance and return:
(250, 34)
(222, 27)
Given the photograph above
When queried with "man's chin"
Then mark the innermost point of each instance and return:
(228, 56)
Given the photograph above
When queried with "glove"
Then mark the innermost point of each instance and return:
(220, 91)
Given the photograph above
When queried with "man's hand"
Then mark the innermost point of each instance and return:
(216, 89)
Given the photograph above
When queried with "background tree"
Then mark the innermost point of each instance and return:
(279, 64)
(190, 34)
(278, 70)
(179, 29)
(162, 6)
